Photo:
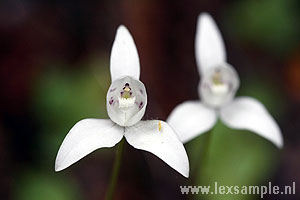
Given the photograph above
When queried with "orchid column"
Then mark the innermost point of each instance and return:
(126, 105)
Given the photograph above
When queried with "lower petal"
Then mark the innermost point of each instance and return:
(159, 138)
(250, 114)
(190, 119)
(85, 137)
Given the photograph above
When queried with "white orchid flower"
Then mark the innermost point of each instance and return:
(126, 105)
(217, 89)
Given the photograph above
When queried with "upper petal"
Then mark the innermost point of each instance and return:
(160, 139)
(250, 114)
(209, 45)
(124, 59)
(191, 119)
(86, 136)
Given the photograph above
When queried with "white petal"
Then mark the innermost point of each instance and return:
(85, 137)
(160, 139)
(124, 59)
(133, 109)
(248, 113)
(209, 45)
(190, 119)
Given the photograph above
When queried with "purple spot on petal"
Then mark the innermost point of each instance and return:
(141, 105)
(141, 91)
(111, 90)
(111, 101)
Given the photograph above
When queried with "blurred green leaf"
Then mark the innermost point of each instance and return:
(235, 158)
(35, 185)
(269, 24)
(64, 96)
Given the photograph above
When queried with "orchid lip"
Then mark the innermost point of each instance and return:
(218, 85)
(126, 101)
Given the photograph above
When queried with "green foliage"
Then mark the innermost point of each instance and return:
(269, 24)
(64, 96)
(234, 157)
(35, 185)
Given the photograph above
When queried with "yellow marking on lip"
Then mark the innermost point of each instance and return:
(217, 78)
(159, 126)
(126, 92)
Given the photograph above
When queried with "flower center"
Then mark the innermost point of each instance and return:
(126, 99)
(219, 86)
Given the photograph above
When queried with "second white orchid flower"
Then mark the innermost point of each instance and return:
(217, 88)
(126, 105)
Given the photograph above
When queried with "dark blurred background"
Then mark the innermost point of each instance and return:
(54, 71)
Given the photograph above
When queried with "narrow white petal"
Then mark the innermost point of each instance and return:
(160, 139)
(85, 137)
(250, 114)
(124, 60)
(191, 118)
(209, 45)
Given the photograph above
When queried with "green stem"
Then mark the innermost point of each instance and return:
(203, 160)
(206, 150)
(115, 173)
(201, 163)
